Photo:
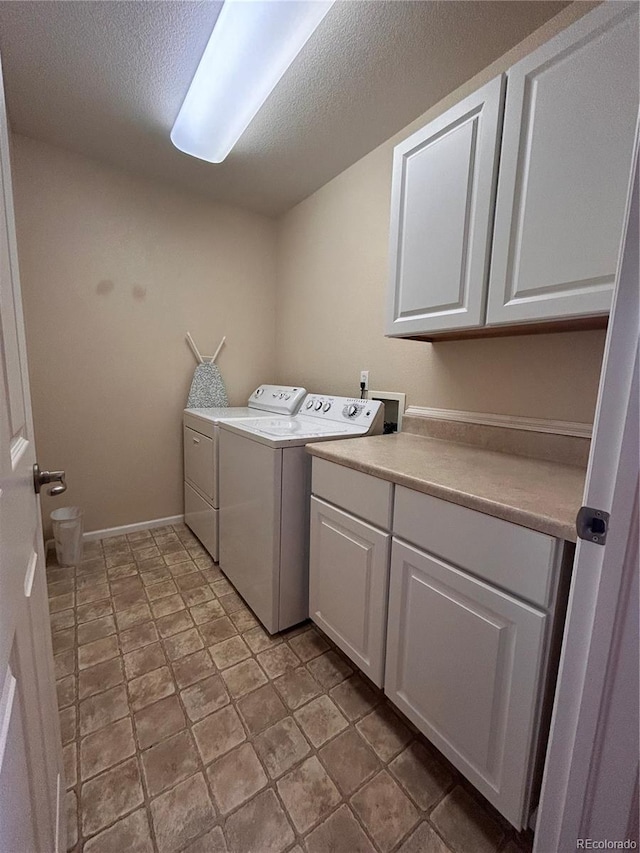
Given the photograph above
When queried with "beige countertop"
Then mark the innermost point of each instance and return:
(541, 495)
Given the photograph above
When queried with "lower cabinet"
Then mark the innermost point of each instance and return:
(464, 663)
(348, 582)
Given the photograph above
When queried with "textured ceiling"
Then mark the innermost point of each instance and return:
(106, 79)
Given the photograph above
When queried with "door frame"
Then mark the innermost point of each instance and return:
(599, 665)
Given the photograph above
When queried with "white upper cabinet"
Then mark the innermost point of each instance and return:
(567, 143)
(545, 247)
(441, 217)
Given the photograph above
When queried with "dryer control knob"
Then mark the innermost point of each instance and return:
(352, 411)
(318, 405)
(326, 407)
(309, 404)
(258, 392)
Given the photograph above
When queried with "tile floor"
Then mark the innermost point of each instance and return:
(187, 728)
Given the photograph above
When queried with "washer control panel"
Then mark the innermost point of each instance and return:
(345, 409)
(281, 399)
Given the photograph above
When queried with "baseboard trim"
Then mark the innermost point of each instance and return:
(131, 528)
(579, 430)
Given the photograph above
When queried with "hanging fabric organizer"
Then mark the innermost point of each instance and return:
(207, 387)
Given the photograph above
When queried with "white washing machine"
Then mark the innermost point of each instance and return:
(201, 454)
(265, 490)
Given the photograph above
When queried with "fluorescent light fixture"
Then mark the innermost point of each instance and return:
(251, 46)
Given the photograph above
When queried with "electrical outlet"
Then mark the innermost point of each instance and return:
(364, 377)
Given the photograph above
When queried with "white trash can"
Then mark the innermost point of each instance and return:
(67, 532)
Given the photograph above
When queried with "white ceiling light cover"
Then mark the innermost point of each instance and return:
(252, 44)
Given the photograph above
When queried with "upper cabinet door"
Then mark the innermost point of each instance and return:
(569, 125)
(442, 203)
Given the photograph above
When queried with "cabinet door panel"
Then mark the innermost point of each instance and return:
(464, 663)
(568, 136)
(199, 461)
(348, 579)
(441, 216)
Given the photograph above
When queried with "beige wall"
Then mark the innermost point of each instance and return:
(332, 273)
(114, 270)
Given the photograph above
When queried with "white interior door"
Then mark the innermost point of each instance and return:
(31, 775)
(590, 786)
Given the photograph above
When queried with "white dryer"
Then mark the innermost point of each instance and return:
(201, 454)
(265, 490)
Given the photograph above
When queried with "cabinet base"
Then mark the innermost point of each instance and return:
(580, 324)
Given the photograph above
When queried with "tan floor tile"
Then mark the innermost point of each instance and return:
(320, 720)
(138, 536)
(68, 724)
(421, 774)
(424, 840)
(71, 803)
(236, 777)
(243, 678)
(222, 587)
(165, 606)
(180, 645)
(110, 795)
(153, 571)
(131, 834)
(95, 610)
(329, 669)
(261, 709)
(277, 661)
(150, 687)
(465, 825)
(355, 697)
(140, 635)
(193, 668)
(144, 660)
(118, 558)
(308, 645)
(158, 721)
(218, 733)
(64, 663)
(92, 564)
(62, 602)
(384, 731)
(128, 600)
(204, 697)
(229, 652)
(60, 574)
(193, 579)
(197, 595)
(211, 842)
(384, 810)
(182, 814)
(66, 691)
(174, 623)
(281, 747)
(161, 590)
(169, 762)
(121, 586)
(297, 686)
(106, 747)
(340, 833)
(62, 619)
(60, 588)
(119, 572)
(102, 709)
(243, 619)
(206, 562)
(92, 593)
(100, 677)
(97, 651)
(70, 760)
(141, 555)
(308, 794)
(217, 630)
(136, 615)
(176, 557)
(207, 611)
(96, 630)
(349, 761)
(231, 602)
(180, 569)
(261, 825)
